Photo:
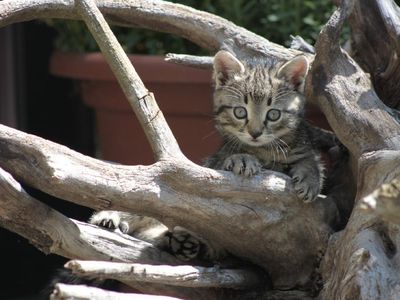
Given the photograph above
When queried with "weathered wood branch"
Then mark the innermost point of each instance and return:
(55, 233)
(187, 276)
(82, 292)
(58, 234)
(361, 261)
(358, 263)
(178, 192)
(345, 94)
(148, 113)
(202, 62)
(206, 30)
(376, 44)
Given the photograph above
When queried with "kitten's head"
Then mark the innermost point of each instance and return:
(258, 102)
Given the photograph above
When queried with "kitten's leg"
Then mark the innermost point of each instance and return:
(141, 227)
(180, 242)
(242, 164)
(307, 177)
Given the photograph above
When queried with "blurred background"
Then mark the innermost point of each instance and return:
(36, 101)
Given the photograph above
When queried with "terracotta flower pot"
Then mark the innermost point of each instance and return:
(184, 95)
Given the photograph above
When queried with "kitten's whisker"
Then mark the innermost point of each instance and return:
(283, 142)
(209, 134)
(273, 153)
(235, 145)
(282, 148)
(277, 149)
(231, 144)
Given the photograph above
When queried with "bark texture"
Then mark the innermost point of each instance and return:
(189, 276)
(258, 220)
(177, 192)
(375, 33)
(361, 261)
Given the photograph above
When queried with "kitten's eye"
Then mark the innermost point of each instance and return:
(273, 114)
(240, 112)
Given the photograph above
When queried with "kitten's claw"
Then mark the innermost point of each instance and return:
(110, 220)
(242, 164)
(295, 179)
(306, 187)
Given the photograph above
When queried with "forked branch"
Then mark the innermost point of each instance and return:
(177, 192)
(58, 234)
(55, 233)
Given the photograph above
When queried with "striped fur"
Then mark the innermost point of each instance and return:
(273, 134)
(250, 143)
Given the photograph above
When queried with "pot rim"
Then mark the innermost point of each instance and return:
(151, 68)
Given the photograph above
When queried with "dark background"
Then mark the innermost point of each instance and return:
(34, 101)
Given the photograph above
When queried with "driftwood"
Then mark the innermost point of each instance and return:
(82, 292)
(188, 276)
(277, 232)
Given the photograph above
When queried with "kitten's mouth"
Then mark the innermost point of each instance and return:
(259, 142)
(256, 142)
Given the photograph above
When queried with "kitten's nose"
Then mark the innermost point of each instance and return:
(255, 134)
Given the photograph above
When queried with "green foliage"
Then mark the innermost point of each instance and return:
(274, 19)
(73, 36)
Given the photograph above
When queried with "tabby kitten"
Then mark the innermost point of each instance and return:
(258, 109)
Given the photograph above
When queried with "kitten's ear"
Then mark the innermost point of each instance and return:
(226, 65)
(295, 71)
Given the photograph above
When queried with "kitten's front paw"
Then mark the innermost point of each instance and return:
(183, 244)
(110, 220)
(306, 187)
(242, 164)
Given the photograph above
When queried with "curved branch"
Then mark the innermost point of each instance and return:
(206, 30)
(345, 94)
(358, 263)
(215, 204)
(58, 234)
